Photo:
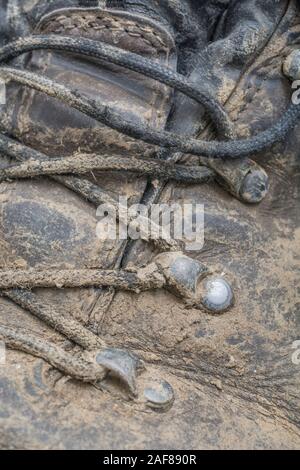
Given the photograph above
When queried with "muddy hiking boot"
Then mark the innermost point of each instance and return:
(110, 109)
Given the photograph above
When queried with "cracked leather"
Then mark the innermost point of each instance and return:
(234, 380)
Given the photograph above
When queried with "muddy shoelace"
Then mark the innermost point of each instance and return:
(107, 116)
(14, 283)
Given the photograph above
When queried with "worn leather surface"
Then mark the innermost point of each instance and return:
(235, 383)
(32, 213)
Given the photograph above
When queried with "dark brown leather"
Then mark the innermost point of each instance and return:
(32, 213)
(234, 380)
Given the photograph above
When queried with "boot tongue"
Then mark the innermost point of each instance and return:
(136, 97)
(149, 8)
(126, 30)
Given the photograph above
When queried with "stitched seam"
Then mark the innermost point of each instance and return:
(259, 54)
(253, 91)
(246, 71)
(119, 25)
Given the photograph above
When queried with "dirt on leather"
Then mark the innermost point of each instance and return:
(234, 381)
(210, 394)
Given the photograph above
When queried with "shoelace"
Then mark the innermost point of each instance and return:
(107, 116)
(40, 164)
